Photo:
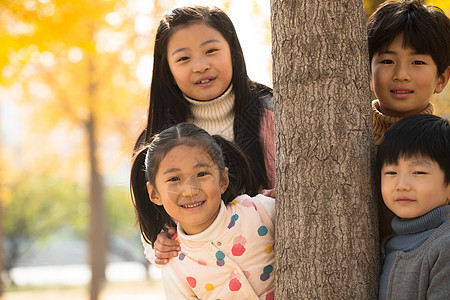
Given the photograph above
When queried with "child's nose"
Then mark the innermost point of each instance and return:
(201, 65)
(191, 188)
(403, 183)
(401, 72)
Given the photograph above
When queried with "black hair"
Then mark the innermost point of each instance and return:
(420, 135)
(153, 218)
(426, 29)
(168, 107)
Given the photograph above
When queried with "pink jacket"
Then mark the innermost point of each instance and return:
(268, 139)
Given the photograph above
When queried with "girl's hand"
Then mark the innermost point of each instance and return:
(268, 193)
(165, 247)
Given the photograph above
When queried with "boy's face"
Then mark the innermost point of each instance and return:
(414, 186)
(404, 80)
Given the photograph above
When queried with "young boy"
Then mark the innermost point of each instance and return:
(413, 164)
(409, 55)
(409, 60)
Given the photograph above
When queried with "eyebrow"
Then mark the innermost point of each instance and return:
(387, 52)
(421, 162)
(202, 44)
(393, 52)
(199, 165)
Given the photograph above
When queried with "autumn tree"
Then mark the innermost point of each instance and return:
(2, 255)
(74, 60)
(37, 206)
(1, 251)
(327, 241)
(370, 6)
(441, 101)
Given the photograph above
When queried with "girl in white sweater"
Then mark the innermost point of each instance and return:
(226, 238)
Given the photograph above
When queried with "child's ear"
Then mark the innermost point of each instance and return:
(448, 194)
(224, 181)
(371, 76)
(371, 82)
(153, 193)
(442, 81)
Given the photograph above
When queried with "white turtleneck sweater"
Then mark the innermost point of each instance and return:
(216, 116)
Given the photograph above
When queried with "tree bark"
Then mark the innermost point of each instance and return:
(327, 223)
(97, 222)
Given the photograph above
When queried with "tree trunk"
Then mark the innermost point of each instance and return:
(327, 224)
(97, 223)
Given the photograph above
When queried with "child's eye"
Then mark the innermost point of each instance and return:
(420, 173)
(183, 58)
(418, 62)
(387, 61)
(390, 173)
(175, 178)
(211, 51)
(201, 174)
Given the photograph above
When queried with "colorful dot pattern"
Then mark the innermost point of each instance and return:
(220, 258)
(238, 245)
(266, 272)
(229, 252)
(235, 284)
(191, 281)
(262, 231)
(270, 296)
(234, 218)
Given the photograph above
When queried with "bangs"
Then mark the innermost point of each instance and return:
(425, 136)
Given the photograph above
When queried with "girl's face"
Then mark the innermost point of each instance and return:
(200, 61)
(189, 185)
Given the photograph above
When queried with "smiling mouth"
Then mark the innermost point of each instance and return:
(401, 92)
(192, 205)
(204, 81)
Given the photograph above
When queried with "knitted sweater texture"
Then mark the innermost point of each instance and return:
(382, 122)
(416, 260)
(216, 116)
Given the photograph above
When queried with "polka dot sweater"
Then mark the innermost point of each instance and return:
(232, 259)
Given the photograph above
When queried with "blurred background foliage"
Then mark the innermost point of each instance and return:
(74, 79)
(63, 63)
